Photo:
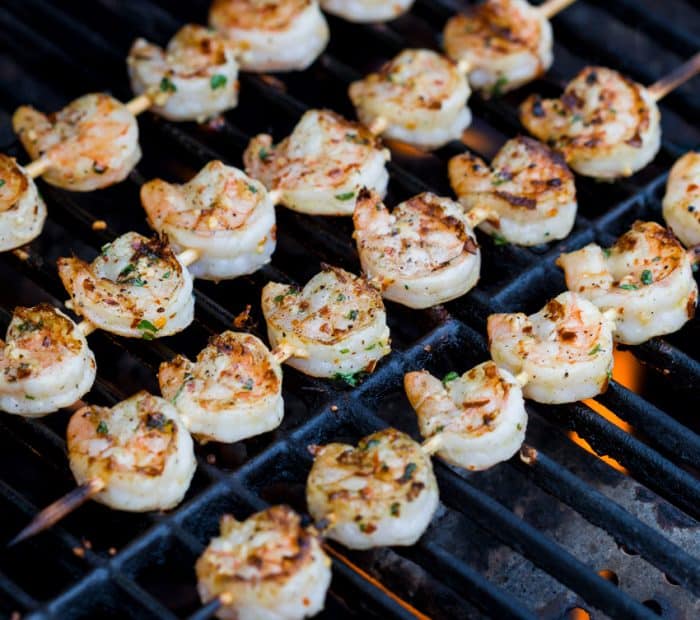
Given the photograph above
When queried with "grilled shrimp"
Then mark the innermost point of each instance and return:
(269, 567)
(337, 319)
(423, 253)
(605, 124)
(233, 391)
(528, 189)
(319, 168)
(565, 349)
(45, 363)
(139, 449)
(91, 143)
(507, 43)
(197, 72)
(681, 205)
(647, 276)
(477, 420)
(420, 95)
(363, 11)
(136, 288)
(382, 493)
(22, 210)
(272, 35)
(226, 216)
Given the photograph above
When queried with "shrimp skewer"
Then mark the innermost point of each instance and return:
(198, 70)
(337, 319)
(225, 218)
(274, 35)
(135, 288)
(320, 167)
(646, 277)
(605, 124)
(422, 254)
(22, 210)
(45, 363)
(565, 349)
(233, 391)
(418, 97)
(367, 11)
(268, 566)
(528, 192)
(90, 144)
(382, 492)
(681, 204)
(506, 43)
(474, 421)
(136, 456)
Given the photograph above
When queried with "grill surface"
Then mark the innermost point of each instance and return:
(548, 539)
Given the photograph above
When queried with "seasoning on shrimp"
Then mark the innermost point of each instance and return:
(681, 205)
(223, 215)
(381, 493)
(646, 276)
(45, 362)
(423, 253)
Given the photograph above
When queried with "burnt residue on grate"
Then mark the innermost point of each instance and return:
(557, 531)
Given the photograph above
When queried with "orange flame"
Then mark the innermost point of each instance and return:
(629, 373)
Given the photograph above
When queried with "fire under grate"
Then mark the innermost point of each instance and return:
(560, 536)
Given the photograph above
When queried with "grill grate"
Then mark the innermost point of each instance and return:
(521, 540)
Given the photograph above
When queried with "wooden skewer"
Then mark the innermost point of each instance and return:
(432, 445)
(53, 513)
(673, 80)
(275, 195)
(551, 7)
(136, 106)
(477, 215)
(283, 351)
(378, 125)
(210, 608)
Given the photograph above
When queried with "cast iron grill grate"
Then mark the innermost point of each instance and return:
(566, 533)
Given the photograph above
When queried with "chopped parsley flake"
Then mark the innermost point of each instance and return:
(147, 329)
(340, 297)
(407, 473)
(166, 275)
(450, 376)
(126, 271)
(519, 426)
(187, 378)
(263, 154)
(217, 81)
(345, 196)
(647, 277)
(395, 509)
(607, 252)
(166, 85)
(352, 315)
(594, 350)
(344, 351)
(102, 428)
(248, 385)
(351, 379)
(28, 397)
(2, 182)
(252, 188)
(499, 239)
(497, 88)
(278, 299)
(629, 287)
(371, 444)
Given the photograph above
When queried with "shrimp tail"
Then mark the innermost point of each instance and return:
(62, 507)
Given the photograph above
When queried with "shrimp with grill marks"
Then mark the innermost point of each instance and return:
(139, 450)
(22, 210)
(419, 97)
(136, 288)
(363, 11)
(338, 320)
(646, 277)
(268, 567)
(681, 205)
(197, 73)
(477, 420)
(506, 43)
(226, 217)
(319, 168)
(528, 192)
(606, 125)
(45, 363)
(233, 391)
(381, 493)
(90, 144)
(272, 35)
(422, 253)
(565, 349)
